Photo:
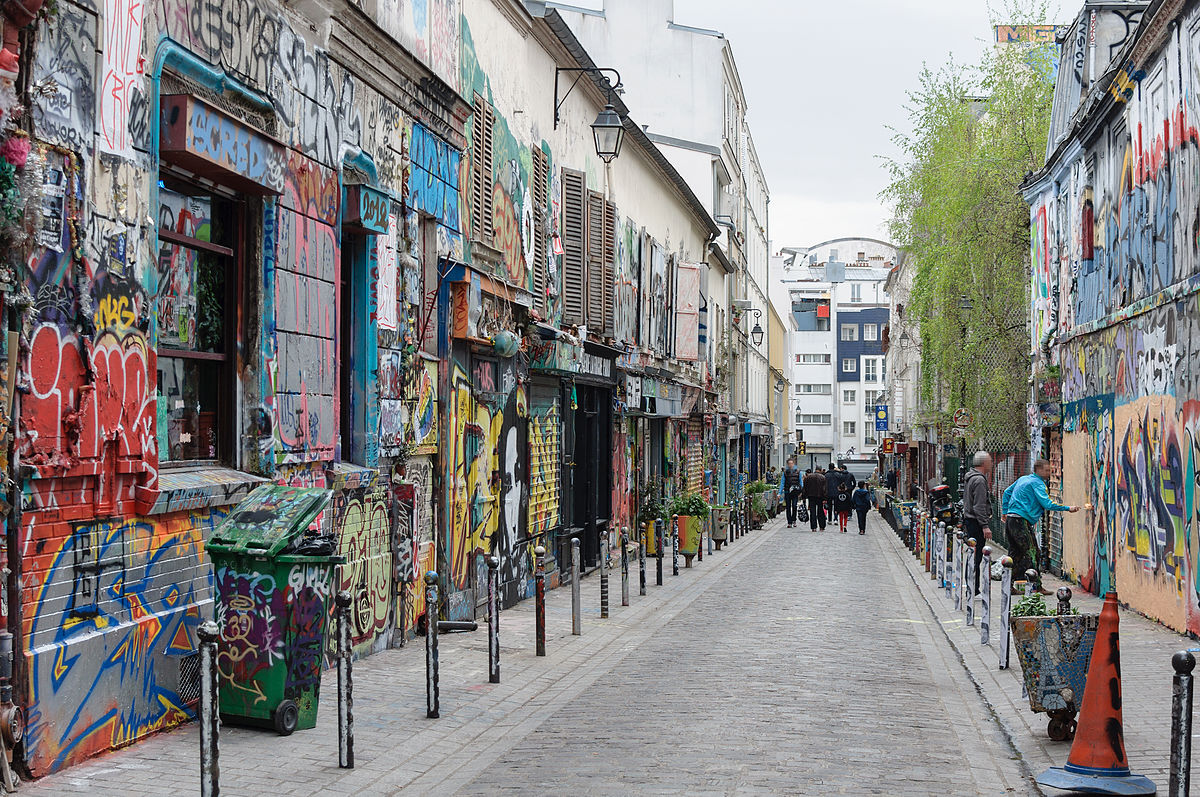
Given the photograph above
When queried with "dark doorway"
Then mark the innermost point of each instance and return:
(589, 434)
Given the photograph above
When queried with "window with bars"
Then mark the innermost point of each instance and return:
(540, 268)
(481, 171)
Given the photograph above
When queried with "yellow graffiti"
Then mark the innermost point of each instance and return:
(115, 313)
(475, 510)
(543, 465)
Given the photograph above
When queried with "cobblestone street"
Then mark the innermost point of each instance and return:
(754, 672)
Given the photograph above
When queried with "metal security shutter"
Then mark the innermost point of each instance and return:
(545, 456)
(481, 171)
(695, 454)
(574, 200)
(595, 260)
(541, 191)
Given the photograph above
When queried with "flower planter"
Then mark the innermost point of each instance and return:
(720, 531)
(1054, 653)
(689, 537)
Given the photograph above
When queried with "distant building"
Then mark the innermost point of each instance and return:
(841, 311)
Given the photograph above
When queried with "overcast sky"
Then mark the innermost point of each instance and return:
(825, 80)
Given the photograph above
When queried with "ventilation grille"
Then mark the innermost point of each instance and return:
(189, 679)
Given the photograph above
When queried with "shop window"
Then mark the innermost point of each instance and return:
(197, 303)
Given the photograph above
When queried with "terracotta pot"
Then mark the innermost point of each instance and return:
(21, 12)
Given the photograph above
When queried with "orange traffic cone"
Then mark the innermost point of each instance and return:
(1097, 762)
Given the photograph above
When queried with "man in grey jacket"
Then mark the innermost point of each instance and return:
(977, 507)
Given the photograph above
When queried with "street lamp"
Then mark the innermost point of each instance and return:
(756, 334)
(609, 132)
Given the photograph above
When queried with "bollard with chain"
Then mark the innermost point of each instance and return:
(674, 545)
(1006, 564)
(972, 543)
(539, 580)
(345, 678)
(658, 550)
(576, 609)
(604, 574)
(210, 714)
(642, 562)
(985, 596)
(1181, 724)
(493, 610)
(624, 568)
(432, 694)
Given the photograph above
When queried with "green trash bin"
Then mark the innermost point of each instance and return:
(273, 604)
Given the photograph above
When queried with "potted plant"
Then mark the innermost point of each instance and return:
(692, 510)
(756, 492)
(654, 515)
(1054, 651)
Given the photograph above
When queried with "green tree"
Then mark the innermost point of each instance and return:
(977, 132)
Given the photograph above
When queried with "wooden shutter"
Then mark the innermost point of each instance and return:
(595, 261)
(610, 267)
(541, 191)
(481, 171)
(574, 201)
(687, 311)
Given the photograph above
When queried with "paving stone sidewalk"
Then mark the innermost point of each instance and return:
(790, 663)
(1146, 650)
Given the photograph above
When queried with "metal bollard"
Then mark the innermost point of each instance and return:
(674, 545)
(1064, 601)
(576, 609)
(539, 580)
(972, 543)
(948, 567)
(1006, 563)
(941, 554)
(604, 575)
(1181, 724)
(210, 714)
(1030, 576)
(959, 548)
(929, 565)
(700, 542)
(493, 609)
(985, 596)
(624, 568)
(432, 694)
(642, 563)
(658, 549)
(345, 678)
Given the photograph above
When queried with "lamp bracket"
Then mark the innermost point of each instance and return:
(581, 70)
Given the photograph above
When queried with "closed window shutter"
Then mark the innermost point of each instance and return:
(541, 175)
(574, 200)
(595, 261)
(610, 270)
(481, 171)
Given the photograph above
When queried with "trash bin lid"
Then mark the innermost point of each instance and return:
(269, 519)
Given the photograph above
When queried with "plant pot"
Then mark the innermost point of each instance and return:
(720, 532)
(690, 527)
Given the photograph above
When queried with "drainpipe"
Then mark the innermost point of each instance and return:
(19, 672)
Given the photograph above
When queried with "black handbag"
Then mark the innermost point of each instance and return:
(801, 514)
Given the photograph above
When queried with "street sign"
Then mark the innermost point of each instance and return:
(962, 418)
(802, 448)
(881, 418)
(889, 445)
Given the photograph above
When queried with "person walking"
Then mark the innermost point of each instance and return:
(862, 505)
(1023, 504)
(791, 484)
(814, 493)
(891, 480)
(833, 479)
(842, 499)
(977, 507)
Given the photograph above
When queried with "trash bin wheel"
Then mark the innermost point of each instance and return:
(1060, 730)
(287, 717)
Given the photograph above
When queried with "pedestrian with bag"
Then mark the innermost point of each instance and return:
(791, 485)
(814, 493)
(862, 501)
(833, 480)
(1023, 504)
(977, 507)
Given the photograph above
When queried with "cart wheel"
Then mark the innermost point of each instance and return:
(1059, 730)
(287, 717)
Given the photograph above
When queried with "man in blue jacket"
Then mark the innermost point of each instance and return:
(1025, 501)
